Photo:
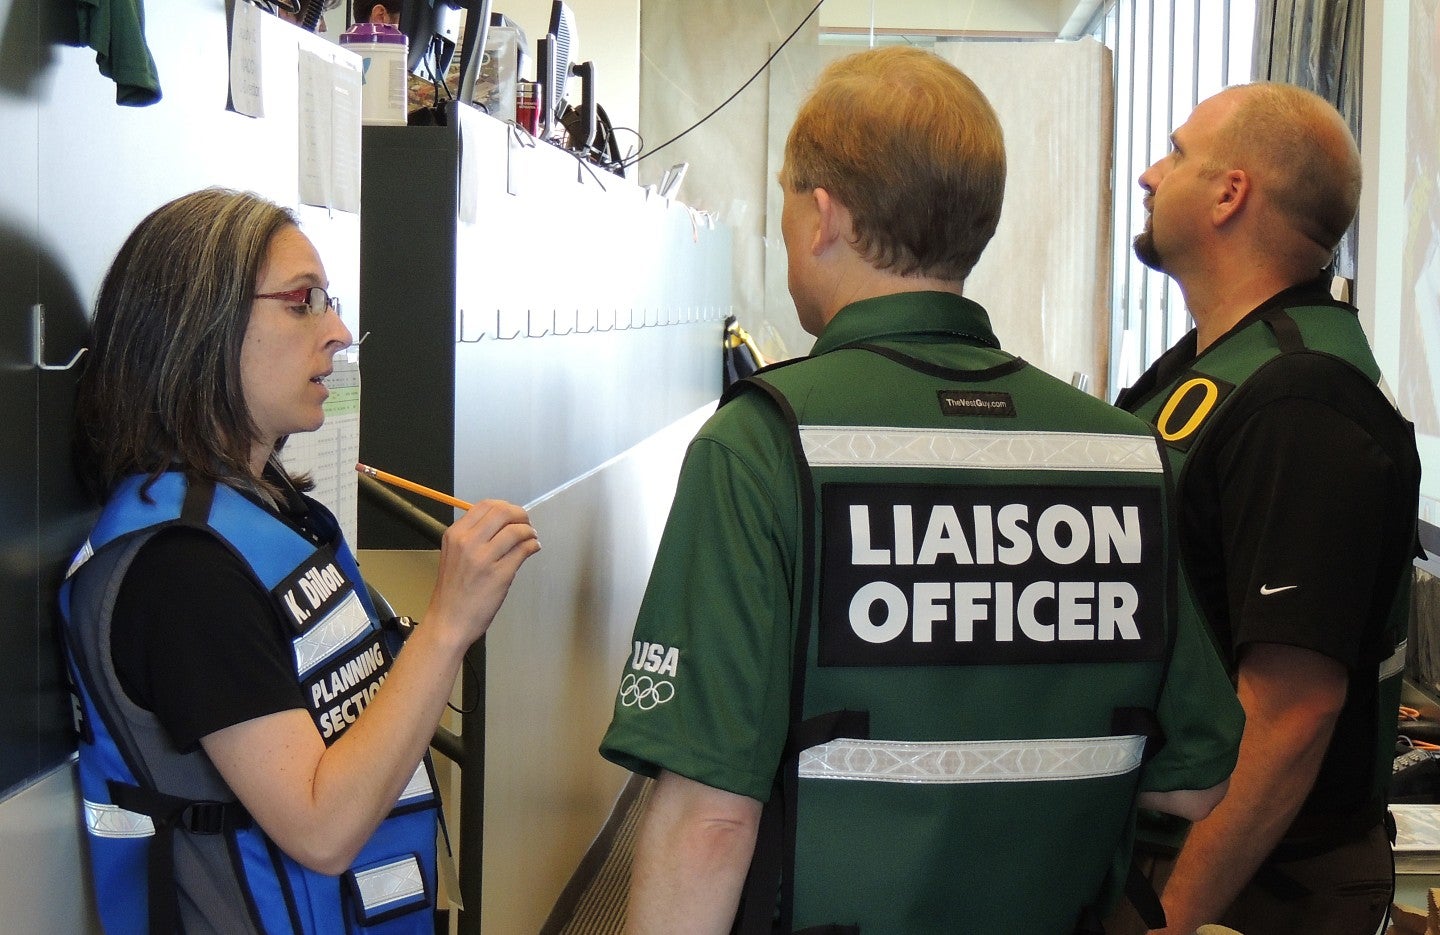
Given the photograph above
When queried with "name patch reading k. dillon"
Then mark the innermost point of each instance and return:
(917, 575)
(975, 403)
(340, 656)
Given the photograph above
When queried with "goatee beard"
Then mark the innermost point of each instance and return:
(1146, 252)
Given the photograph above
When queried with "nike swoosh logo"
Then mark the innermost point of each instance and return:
(1266, 590)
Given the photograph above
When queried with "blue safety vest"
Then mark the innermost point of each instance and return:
(164, 822)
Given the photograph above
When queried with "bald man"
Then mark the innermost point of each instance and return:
(1298, 484)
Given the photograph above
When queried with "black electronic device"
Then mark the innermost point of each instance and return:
(433, 29)
(547, 76)
(555, 52)
(603, 150)
(582, 131)
(1414, 776)
(472, 46)
(310, 13)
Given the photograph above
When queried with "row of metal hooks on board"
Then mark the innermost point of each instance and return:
(578, 321)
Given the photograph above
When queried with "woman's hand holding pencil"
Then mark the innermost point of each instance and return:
(479, 557)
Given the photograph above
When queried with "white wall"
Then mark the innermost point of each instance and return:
(1397, 268)
(1382, 144)
(932, 16)
(1048, 296)
(609, 31)
(43, 886)
(686, 73)
(553, 659)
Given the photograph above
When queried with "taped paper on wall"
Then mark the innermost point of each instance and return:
(329, 115)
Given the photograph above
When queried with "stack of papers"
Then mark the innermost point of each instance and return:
(1417, 839)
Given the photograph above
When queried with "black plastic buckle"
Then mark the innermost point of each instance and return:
(204, 817)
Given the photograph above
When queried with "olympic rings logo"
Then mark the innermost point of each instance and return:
(643, 692)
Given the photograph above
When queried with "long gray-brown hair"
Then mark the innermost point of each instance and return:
(162, 387)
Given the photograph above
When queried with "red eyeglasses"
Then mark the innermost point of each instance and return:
(315, 299)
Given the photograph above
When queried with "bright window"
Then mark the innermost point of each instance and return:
(1169, 56)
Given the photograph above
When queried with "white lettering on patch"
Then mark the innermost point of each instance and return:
(652, 657)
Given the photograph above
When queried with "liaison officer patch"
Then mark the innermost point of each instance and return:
(918, 575)
(1195, 398)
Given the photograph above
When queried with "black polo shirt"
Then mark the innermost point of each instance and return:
(1297, 516)
(197, 641)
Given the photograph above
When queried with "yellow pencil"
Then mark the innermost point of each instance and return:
(411, 486)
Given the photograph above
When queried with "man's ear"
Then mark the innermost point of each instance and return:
(835, 224)
(1233, 197)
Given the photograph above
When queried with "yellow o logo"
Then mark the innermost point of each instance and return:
(1212, 393)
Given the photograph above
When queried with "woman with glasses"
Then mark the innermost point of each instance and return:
(252, 753)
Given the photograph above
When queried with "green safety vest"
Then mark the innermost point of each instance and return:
(985, 619)
(1183, 413)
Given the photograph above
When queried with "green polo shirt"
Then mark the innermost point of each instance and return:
(705, 690)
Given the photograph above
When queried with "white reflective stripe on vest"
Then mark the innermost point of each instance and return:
(419, 784)
(87, 552)
(829, 446)
(390, 883)
(1395, 664)
(112, 821)
(340, 626)
(973, 760)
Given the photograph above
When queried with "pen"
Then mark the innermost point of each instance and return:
(411, 486)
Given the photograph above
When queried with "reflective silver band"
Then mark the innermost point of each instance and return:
(419, 784)
(81, 557)
(828, 446)
(112, 821)
(391, 883)
(973, 760)
(340, 626)
(1396, 663)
